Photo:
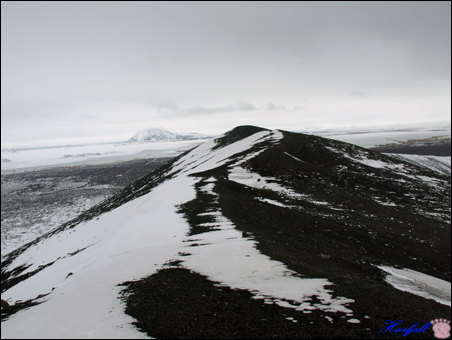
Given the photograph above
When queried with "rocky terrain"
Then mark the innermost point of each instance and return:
(258, 233)
(35, 202)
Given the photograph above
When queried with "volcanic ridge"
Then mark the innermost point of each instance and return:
(255, 234)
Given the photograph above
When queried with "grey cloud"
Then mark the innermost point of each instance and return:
(245, 106)
(197, 58)
(298, 108)
(202, 110)
(359, 94)
(164, 107)
(271, 107)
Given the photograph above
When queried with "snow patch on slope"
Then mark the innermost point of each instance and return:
(441, 164)
(125, 244)
(420, 284)
(225, 255)
(243, 176)
(203, 158)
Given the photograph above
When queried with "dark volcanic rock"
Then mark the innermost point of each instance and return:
(340, 211)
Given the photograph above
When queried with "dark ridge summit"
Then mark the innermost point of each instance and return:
(258, 233)
(236, 134)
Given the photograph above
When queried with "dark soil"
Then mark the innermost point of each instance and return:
(176, 303)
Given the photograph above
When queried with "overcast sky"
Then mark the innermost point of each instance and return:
(76, 71)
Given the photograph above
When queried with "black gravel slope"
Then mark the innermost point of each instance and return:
(374, 216)
(343, 246)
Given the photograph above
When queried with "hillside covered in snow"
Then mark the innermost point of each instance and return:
(258, 233)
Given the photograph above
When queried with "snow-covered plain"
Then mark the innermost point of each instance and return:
(372, 136)
(110, 152)
(90, 154)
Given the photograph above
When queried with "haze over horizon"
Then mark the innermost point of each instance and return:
(81, 72)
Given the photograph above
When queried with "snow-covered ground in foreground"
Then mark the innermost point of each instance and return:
(126, 244)
(417, 283)
(90, 154)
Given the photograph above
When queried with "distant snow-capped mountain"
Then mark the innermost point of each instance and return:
(157, 135)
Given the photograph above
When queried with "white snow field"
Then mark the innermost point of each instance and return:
(109, 152)
(90, 154)
(373, 135)
(136, 239)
